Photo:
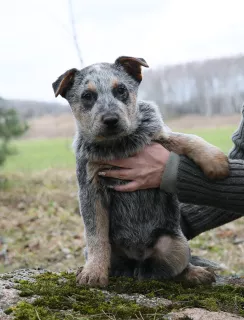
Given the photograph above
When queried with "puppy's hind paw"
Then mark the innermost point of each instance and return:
(194, 275)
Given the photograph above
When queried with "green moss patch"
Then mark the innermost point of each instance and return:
(213, 298)
(58, 297)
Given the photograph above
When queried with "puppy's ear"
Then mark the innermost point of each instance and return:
(132, 66)
(64, 82)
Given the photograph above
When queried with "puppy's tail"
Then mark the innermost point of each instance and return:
(201, 262)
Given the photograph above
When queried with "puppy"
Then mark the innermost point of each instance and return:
(134, 234)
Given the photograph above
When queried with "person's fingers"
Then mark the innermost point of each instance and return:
(123, 174)
(129, 187)
(122, 163)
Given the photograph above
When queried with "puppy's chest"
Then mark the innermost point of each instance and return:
(141, 206)
(151, 204)
(138, 218)
(135, 216)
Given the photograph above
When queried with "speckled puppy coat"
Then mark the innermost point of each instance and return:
(138, 233)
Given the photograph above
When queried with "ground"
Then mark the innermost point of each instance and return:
(38, 294)
(39, 221)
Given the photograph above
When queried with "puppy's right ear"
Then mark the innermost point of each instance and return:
(64, 82)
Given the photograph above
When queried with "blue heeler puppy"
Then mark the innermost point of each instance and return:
(134, 234)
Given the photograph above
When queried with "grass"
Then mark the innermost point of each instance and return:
(220, 137)
(40, 225)
(37, 155)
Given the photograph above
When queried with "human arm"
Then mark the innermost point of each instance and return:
(196, 219)
(191, 186)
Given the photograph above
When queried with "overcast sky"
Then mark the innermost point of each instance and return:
(36, 43)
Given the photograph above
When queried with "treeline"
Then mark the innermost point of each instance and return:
(209, 87)
(31, 109)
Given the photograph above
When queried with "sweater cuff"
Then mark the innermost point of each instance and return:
(237, 152)
(169, 178)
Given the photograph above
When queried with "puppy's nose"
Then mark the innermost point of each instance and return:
(110, 120)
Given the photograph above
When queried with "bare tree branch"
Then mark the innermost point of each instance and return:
(74, 33)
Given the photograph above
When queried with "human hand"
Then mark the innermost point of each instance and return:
(144, 170)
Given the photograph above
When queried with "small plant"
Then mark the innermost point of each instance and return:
(11, 127)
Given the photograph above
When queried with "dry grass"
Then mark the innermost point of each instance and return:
(50, 126)
(40, 226)
(63, 125)
(196, 122)
(39, 222)
(224, 245)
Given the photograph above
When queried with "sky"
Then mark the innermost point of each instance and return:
(36, 43)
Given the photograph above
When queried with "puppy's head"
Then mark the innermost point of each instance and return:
(103, 97)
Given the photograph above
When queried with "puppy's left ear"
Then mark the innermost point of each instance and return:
(132, 66)
(64, 82)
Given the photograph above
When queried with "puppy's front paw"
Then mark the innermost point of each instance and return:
(92, 275)
(213, 162)
(198, 275)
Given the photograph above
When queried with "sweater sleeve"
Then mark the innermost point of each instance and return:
(205, 204)
(193, 187)
(197, 219)
(237, 152)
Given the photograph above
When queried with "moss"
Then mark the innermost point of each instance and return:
(8, 311)
(55, 293)
(225, 297)
(25, 310)
(58, 297)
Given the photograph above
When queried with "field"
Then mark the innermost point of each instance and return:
(39, 217)
(39, 154)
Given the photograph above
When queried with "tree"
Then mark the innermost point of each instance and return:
(10, 127)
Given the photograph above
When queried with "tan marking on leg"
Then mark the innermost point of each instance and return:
(96, 269)
(211, 159)
(174, 252)
(93, 169)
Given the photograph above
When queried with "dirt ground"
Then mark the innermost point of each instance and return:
(194, 121)
(64, 125)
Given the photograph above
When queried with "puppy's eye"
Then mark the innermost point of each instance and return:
(86, 96)
(121, 92)
(121, 89)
